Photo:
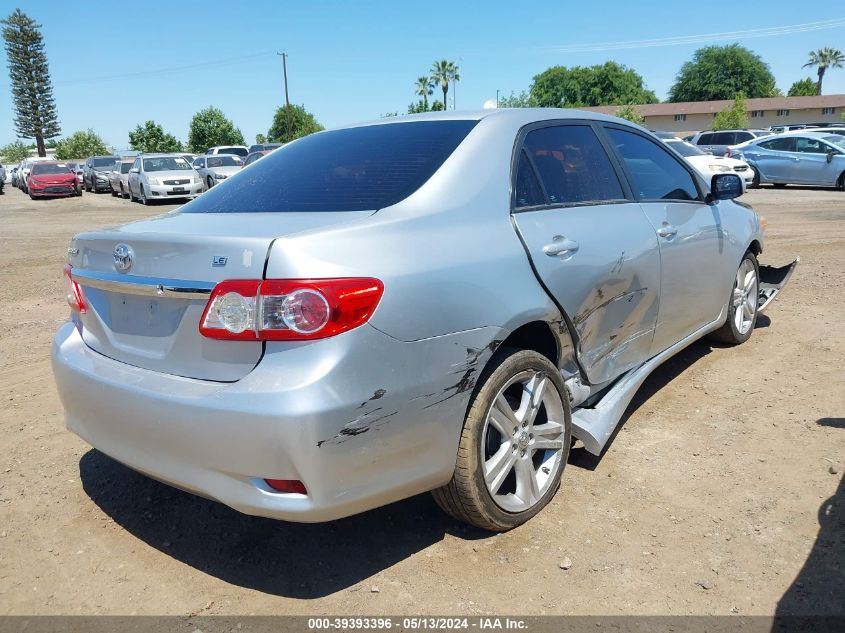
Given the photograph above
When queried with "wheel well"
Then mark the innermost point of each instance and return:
(536, 336)
(755, 247)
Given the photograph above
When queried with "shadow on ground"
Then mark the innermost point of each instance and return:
(819, 588)
(285, 559)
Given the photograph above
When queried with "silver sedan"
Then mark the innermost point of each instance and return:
(799, 158)
(162, 176)
(438, 302)
(214, 168)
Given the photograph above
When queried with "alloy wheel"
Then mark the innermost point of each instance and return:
(745, 297)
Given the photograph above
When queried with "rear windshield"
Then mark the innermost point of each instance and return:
(356, 169)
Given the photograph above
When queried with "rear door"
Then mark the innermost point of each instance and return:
(591, 244)
(694, 252)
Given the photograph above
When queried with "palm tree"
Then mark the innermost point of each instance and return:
(443, 72)
(825, 58)
(424, 88)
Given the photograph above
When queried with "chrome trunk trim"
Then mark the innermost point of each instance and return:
(145, 286)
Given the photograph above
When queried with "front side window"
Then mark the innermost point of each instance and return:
(705, 139)
(810, 146)
(137, 164)
(354, 169)
(655, 173)
(723, 138)
(572, 165)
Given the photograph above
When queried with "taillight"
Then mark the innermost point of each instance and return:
(289, 309)
(74, 296)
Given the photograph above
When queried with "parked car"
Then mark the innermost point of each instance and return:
(237, 150)
(273, 346)
(261, 147)
(2, 178)
(799, 158)
(709, 165)
(52, 178)
(663, 135)
(78, 167)
(13, 176)
(840, 131)
(119, 177)
(162, 176)
(25, 169)
(213, 169)
(717, 143)
(254, 156)
(780, 129)
(95, 173)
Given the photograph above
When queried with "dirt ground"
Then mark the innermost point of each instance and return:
(722, 493)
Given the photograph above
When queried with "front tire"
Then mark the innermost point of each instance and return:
(514, 444)
(142, 196)
(210, 182)
(755, 183)
(742, 306)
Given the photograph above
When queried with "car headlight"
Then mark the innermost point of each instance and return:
(152, 181)
(219, 176)
(719, 168)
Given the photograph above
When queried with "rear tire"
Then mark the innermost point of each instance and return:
(840, 184)
(742, 304)
(514, 444)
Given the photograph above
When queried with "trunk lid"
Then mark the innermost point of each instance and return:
(146, 285)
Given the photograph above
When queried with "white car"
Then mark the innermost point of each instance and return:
(119, 177)
(708, 165)
(237, 150)
(214, 168)
(163, 177)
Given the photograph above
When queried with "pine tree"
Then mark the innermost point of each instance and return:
(32, 91)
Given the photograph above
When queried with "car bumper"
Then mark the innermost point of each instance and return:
(53, 190)
(190, 190)
(101, 185)
(361, 419)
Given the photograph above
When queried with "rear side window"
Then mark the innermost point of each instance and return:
(783, 144)
(655, 173)
(705, 139)
(527, 192)
(723, 138)
(572, 165)
(355, 169)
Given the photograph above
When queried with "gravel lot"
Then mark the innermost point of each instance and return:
(722, 493)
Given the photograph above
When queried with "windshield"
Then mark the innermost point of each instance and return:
(355, 169)
(40, 168)
(224, 161)
(685, 149)
(125, 167)
(108, 161)
(838, 141)
(165, 163)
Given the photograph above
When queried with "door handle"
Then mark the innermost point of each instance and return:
(667, 231)
(560, 246)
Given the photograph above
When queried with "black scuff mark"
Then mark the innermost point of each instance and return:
(377, 395)
(358, 426)
(468, 372)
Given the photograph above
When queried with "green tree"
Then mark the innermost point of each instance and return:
(260, 139)
(803, 88)
(734, 117)
(32, 90)
(437, 106)
(823, 59)
(630, 113)
(521, 100)
(424, 87)
(721, 72)
(15, 152)
(209, 128)
(81, 145)
(302, 123)
(444, 72)
(151, 137)
(604, 84)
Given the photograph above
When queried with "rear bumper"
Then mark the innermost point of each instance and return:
(362, 419)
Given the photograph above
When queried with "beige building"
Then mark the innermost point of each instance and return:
(695, 116)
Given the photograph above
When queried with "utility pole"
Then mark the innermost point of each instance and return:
(284, 57)
(497, 98)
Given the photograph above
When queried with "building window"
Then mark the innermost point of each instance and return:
(783, 112)
(757, 114)
(828, 110)
(680, 117)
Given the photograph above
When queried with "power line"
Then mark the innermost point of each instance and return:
(159, 71)
(704, 38)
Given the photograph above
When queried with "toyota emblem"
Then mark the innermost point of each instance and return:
(123, 257)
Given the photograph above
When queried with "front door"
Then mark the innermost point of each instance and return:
(693, 248)
(811, 165)
(591, 245)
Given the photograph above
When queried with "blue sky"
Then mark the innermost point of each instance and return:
(117, 64)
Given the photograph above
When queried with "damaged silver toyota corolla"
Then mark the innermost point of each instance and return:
(439, 302)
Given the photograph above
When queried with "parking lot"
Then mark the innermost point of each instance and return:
(722, 493)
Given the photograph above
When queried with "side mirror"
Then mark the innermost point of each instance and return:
(725, 187)
(830, 156)
(133, 171)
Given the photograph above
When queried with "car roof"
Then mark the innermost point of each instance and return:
(504, 115)
(809, 133)
(160, 155)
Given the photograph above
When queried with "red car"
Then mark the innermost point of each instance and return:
(52, 178)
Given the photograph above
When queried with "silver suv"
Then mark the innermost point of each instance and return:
(438, 302)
